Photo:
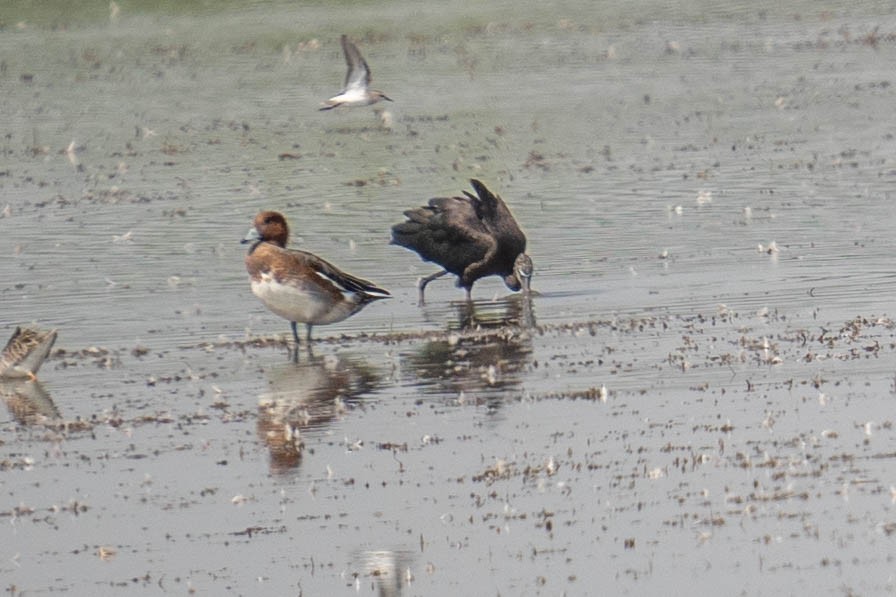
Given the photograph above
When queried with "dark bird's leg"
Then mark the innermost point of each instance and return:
(469, 294)
(467, 313)
(424, 281)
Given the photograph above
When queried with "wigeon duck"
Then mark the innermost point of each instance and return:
(300, 286)
(356, 91)
(470, 237)
(25, 352)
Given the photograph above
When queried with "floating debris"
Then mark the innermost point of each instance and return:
(770, 249)
(704, 197)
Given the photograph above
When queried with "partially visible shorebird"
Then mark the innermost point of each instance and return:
(356, 91)
(25, 352)
(471, 237)
(300, 286)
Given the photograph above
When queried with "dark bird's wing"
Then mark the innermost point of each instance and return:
(499, 221)
(486, 202)
(448, 231)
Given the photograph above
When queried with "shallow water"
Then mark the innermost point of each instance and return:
(677, 403)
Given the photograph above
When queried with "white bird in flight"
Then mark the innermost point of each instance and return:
(357, 90)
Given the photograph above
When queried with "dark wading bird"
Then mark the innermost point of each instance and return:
(471, 237)
(300, 286)
(357, 91)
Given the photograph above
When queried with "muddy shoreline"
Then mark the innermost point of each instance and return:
(699, 394)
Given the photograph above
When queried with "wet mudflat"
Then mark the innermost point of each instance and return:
(701, 393)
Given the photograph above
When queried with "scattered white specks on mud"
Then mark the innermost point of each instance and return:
(698, 393)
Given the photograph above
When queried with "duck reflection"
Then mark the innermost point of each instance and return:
(28, 401)
(388, 571)
(483, 354)
(303, 396)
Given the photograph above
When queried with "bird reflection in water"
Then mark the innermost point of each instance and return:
(28, 401)
(389, 571)
(304, 396)
(483, 353)
(514, 311)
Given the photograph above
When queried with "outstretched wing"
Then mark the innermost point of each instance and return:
(358, 75)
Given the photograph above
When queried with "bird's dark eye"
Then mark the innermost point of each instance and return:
(268, 220)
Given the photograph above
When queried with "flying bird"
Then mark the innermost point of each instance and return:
(356, 91)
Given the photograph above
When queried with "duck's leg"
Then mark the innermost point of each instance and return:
(421, 284)
(295, 336)
(308, 341)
